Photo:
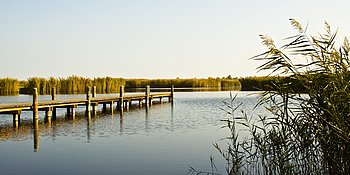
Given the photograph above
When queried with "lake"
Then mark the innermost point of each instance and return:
(166, 139)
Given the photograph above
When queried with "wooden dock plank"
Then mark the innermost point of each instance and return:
(6, 108)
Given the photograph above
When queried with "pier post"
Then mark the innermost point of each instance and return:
(104, 107)
(36, 119)
(16, 118)
(88, 98)
(147, 96)
(35, 106)
(111, 107)
(73, 112)
(94, 92)
(53, 97)
(48, 115)
(94, 96)
(68, 111)
(140, 103)
(171, 98)
(36, 137)
(121, 98)
(53, 93)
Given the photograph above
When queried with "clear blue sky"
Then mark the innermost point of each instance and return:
(149, 38)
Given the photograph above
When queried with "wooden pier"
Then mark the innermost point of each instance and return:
(91, 101)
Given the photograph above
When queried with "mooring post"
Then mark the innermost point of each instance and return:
(36, 119)
(35, 106)
(68, 111)
(104, 107)
(53, 97)
(111, 107)
(88, 98)
(94, 105)
(121, 98)
(48, 115)
(53, 93)
(94, 92)
(73, 111)
(16, 118)
(36, 137)
(140, 103)
(147, 96)
(171, 98)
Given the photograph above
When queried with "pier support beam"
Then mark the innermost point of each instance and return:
(94, 92)
(48, 114)
(16, 118)
(140, 103)
(147, 93)
(53, 97)
(88, 98)
(111, 107)
(35, 106)
(104, 107)
(36, 119)
(171, 98)
(53, 93)
(121, 98)
(94, 108)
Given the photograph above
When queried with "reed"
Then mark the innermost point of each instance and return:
(9, 86)
(307, 132)
(74, 84)
(234, 84)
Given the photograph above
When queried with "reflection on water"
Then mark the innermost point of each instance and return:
(164, 139)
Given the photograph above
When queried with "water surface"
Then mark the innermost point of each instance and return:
(166, 139)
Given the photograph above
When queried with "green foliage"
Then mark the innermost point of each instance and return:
(9, 86)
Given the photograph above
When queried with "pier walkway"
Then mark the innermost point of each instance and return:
(91, 101)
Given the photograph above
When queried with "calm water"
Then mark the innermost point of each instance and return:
(167, 139)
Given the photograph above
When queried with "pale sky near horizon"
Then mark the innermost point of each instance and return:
(150, 38)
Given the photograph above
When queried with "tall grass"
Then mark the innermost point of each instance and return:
(308, 132)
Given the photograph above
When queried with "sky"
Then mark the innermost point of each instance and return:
(151, 38)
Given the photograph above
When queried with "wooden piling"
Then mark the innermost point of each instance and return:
(171, 98)
(147, 96)
(121, 98)
(140, 103)
(104, 107)
(68, 112)
(88, 98)
(36, 136)
(73, 112)
(35, 105)
(16, 118)
(53, 97)
(111, 107)
(36, 119)
(94, 92)
(53, 93)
